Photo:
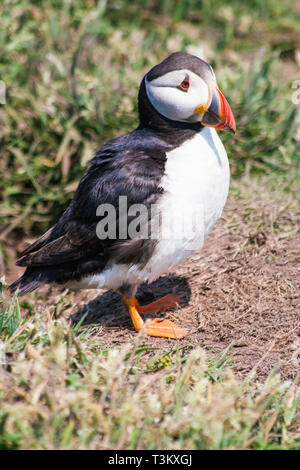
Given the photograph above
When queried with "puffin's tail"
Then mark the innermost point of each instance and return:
(33, 277)
(26, 283)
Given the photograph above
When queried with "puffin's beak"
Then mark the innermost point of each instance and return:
(219, 114)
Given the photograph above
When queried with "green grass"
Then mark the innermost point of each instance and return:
(59, 389)
(73, 69)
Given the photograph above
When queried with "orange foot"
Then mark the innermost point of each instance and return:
(156, 326)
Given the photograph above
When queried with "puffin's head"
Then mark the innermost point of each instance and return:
(184, 88)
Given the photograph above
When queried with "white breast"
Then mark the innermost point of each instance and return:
(195, 184)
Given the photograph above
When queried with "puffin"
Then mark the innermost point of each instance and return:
(148, 199)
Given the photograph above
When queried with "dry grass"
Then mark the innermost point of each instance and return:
(62, 392)
(100, 385)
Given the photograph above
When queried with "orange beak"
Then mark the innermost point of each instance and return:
(219, 114)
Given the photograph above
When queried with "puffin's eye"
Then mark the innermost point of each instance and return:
(184, 85)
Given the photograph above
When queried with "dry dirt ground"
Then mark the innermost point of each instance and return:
(241, 289)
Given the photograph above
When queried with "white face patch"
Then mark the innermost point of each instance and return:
(174, 103)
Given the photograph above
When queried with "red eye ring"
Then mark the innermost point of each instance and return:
(184, 85)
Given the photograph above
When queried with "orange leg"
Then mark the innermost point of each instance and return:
(156, 326)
